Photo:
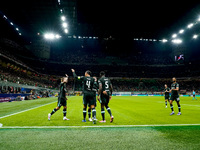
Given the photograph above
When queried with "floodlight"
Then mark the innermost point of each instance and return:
(190, 25)
(66, 30)
(64, 24)
(5, 17)
(57, 36)
(195, 36)
(17, 29)
(11, 23)
(181, 31)
(174, 35)
(164, 40)
(50, 36)
(63, 18)
(177, 41)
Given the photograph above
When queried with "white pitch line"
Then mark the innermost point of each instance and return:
(25, 110)
(106, 126)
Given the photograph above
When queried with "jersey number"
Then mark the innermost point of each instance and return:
(107, 86)
(88, 84)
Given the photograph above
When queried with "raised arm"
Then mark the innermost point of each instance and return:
(75, 76)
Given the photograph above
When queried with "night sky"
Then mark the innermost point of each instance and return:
(154, 17)
(148, 19)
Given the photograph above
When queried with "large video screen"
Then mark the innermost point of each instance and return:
(179, 58)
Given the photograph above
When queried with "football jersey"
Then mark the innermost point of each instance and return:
(105, 83)
(88, 83)
(174, 86)
(167, 89)
(63, 90)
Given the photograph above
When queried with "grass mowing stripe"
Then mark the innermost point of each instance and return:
(106, 126)
(26, 110)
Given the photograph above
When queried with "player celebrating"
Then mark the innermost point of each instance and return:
(167, 90)
(88, 94)
(61, 99)
(194, 97)
(174, 96)
(94, 89)
(105, 92)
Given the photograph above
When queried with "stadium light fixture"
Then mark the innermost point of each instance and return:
(174, 35)
(11, 23)
(63, 18)
(181, 31)
(64, 25)
(164, 40)
(4, 16)
(190, 25)
(195, 36)
(57, 36)
(66, 30)
(17, 29)
(51, 36)
(177, 41)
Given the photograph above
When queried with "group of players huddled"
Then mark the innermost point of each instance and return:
(90, 86)
(104, 89)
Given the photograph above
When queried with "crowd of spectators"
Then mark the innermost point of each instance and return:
(136, 66)
(8, 75)
(149, 85)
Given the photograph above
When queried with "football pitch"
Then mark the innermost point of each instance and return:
(139, 123)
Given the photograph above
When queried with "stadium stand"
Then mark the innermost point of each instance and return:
(138, 72)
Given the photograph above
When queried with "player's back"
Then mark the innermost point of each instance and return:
(62, 91)
(88, 83)
(105, 83)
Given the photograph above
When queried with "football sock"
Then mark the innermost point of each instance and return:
(94, 113)
(179, 107)
(109, 111)
(103, 113)
(84, 113)
(64, 112)
(171, 107)
(166, 103)
(53, 111)
(89, 112)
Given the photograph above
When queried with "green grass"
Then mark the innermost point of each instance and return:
(126, 110)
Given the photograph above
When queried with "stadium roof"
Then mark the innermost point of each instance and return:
(100, 18)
